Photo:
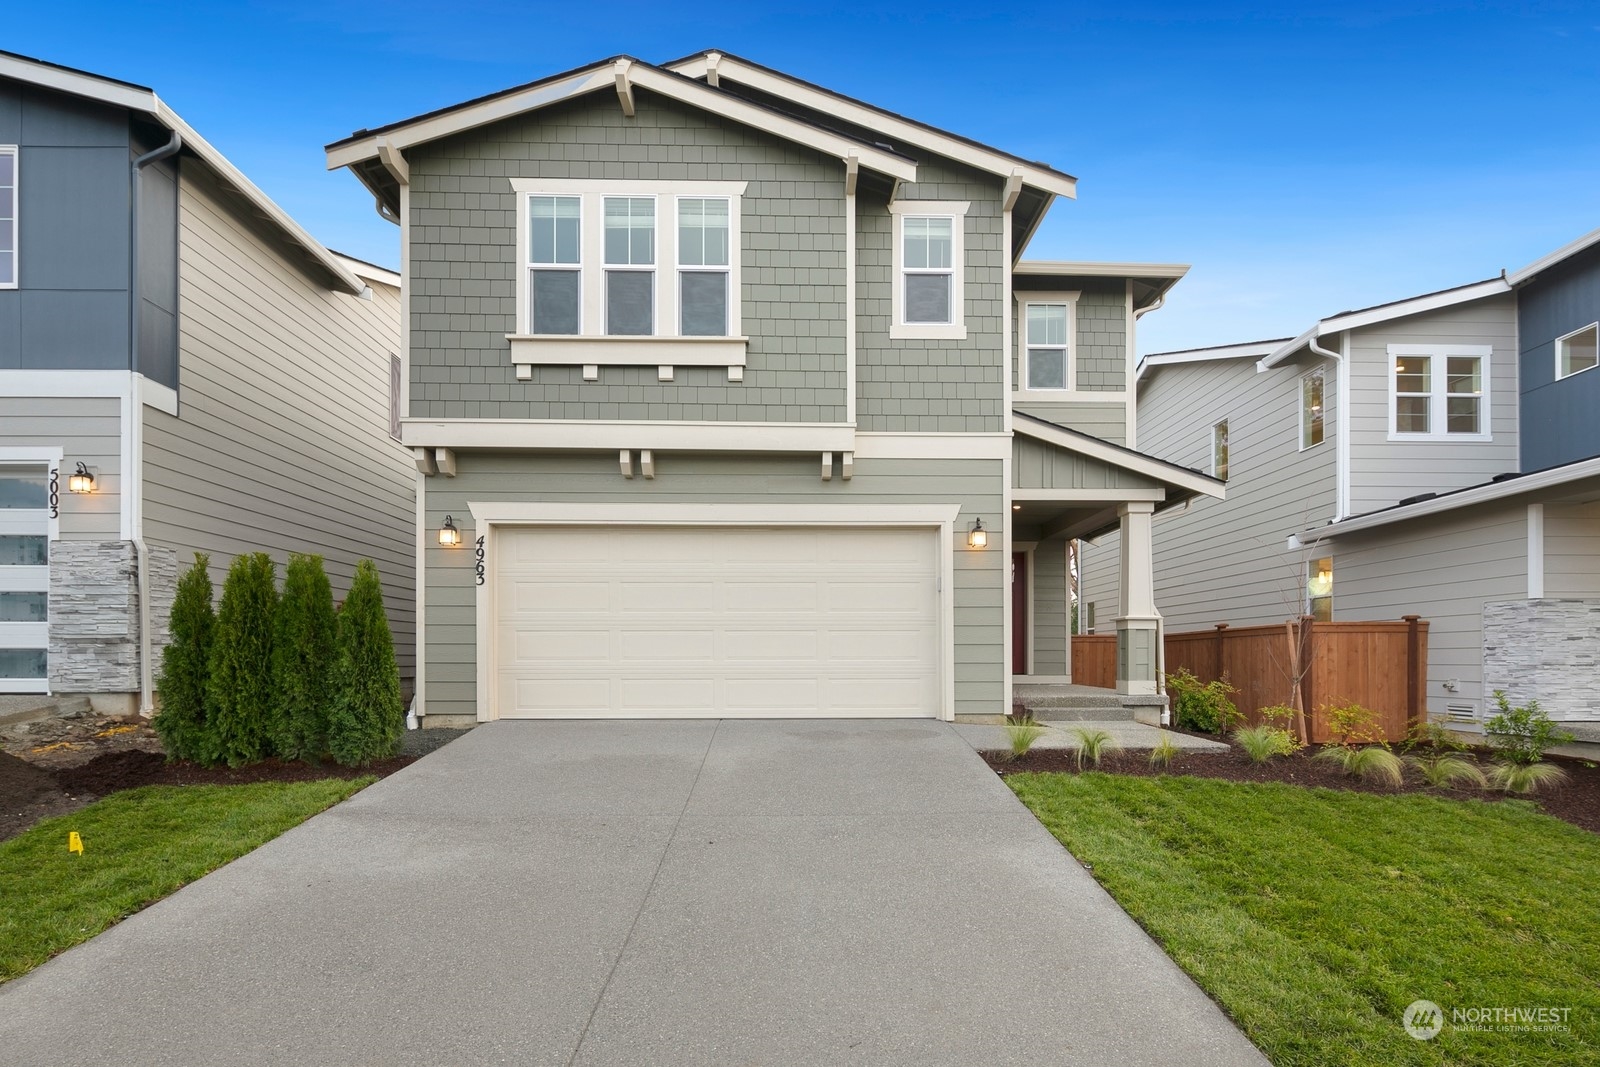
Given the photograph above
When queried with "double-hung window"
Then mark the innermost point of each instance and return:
(630, 258)
(1049, 366)
(8, 216)
(555, 272)
(703, 283)
(1578, 351)
(928, 298)
(1439, 392)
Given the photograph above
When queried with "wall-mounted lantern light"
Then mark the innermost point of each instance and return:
(449, 536)
(978, 537)
(81, 481)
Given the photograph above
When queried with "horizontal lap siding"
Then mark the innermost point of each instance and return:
(1572, 550)
(281, 443)
(1444, 570)
(87, 430)
(465, 255)
(451, 594)
(1384, 472)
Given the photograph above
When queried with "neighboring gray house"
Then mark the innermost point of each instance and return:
(1437, 456)
(730, 395)
(224, 380)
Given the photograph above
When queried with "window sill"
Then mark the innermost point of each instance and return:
(1059, 396)
(904, 332)
(628, 351)
(1465, 438)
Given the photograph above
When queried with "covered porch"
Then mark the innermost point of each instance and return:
(1067, 485)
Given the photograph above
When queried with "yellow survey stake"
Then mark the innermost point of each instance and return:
(74, 842)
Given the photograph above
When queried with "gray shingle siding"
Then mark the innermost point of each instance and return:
(464, 252)
(1102, 356)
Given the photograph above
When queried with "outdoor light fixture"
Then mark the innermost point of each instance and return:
(81, 481)
(1016, 507)
(449, 536)
(978, 537)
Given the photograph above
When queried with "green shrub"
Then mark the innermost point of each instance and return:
(1526, 777)
(182, 722)
(1352, 724)
(240, 684)
(1092, 744)
(1443, 769)
(365, 716)
(1282, 717)
(1263, 742)
(1202, 705)
(1522, 734)
(302, 659)
(1022, 733)
(1372, 762)
(1164, 752)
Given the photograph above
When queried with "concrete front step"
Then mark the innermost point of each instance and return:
(14, 711)
(1079, 712)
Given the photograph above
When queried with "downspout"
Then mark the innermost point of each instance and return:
(136, 429)
(1341, 448)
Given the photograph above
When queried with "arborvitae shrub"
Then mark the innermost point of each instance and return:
(366, 719)
(302, 660)
(240, 683)
(182, 722)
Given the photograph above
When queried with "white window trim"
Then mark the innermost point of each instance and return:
(1022, 389)
(1437, 406)
(1300, 406)
(1224, 422)
(31, 635)
(1566, 336)
(16, 215)
(956, 328)
(592, 345)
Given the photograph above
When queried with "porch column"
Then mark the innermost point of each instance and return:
(1139, 625)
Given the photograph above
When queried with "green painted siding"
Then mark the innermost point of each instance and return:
(943, 386)
(1050, 611)
(464, 261)
(1102, 356)
(594, 478)
(1097, 418)
(1036, 465)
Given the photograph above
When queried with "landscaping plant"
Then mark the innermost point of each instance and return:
(183, 723)
(302, 659)
(1201, 705)
(1358, 748)
(1164, 751)
(365, 717)
(1439, 756)
(1520, 737)
(1263, 742)
(239, 689)
(1022, 733)
(1092, 744)
(1526, 777)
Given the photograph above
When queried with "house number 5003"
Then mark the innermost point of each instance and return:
(478, 565)
(55, 492)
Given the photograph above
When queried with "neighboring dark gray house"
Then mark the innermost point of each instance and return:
(733, 396)
(1439, 455)
(182, 368)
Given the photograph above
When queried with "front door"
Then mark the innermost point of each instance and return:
(1019, 613)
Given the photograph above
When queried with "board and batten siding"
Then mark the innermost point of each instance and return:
(465, 255)
(1050, 607)
(1558, 423)
(87, 430)
(933, 386)
(1384, 472)
(1444, 569)
(1572, 550)
(1226, 560)
(593, 478)
(281, 443)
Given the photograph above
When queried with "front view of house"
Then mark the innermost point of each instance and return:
(731, 396)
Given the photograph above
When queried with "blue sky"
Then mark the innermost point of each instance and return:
(1305, 160)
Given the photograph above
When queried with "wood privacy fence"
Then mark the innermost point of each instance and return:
(1379, 665)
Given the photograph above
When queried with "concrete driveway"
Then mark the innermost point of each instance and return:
(652, 893)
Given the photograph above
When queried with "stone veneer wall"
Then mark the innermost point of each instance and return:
(1544, 650)
(94, 614)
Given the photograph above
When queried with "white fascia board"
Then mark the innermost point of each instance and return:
(1544, 263)
(1145, 466)
(873, 119)
(603, 435)
(640, 75)
(1483, 494)
(1254, 350)
(1355, 320)
(78, 83)
(535, 513)
(1051, 267)
(369, 272)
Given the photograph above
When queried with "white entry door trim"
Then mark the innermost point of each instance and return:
(490, 517)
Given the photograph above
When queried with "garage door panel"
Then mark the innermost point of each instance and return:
(716, 621)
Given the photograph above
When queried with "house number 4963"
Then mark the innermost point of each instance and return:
(478, 565)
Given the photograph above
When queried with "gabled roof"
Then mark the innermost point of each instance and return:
(1186, 480)
(619, 74)
(1560, 255)
(371, 272)
(138, 98)
(1151, 281)
(1242, 350)
(1397, 309)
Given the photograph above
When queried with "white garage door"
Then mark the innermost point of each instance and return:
(760, 622)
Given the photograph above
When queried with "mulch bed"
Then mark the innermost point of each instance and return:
(1577, 801)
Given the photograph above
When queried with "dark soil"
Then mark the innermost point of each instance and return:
(1577, 801)
(28, 794)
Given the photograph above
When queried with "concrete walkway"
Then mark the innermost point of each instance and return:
(652, 893)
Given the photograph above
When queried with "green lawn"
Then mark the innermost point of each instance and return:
(1315, 917)
(139, 846)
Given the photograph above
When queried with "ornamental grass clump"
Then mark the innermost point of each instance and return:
(1440, 758)
(239, 686)
(1164, 751)
(1022, 733)
(1092, 744)
(1520, 737)
(1358, 748)
(182, 723)
(366, 719)
(302, 660)
(1271, 737)
(1205, 706)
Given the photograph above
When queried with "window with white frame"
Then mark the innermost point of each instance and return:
(1319, 589)
(1311, 408)
(1578, 351)
(1046, 345)
(1439, 392)
(1219, 451)
(628, 261)
(9, 165)
(928, 299)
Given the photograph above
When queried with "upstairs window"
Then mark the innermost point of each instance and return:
(555, 272)
(1578, 351)
(1046, 338)
(1439, 392)
(928, 297)
(8, 216)
(630, 265)
(703, 267)
(1311, 398)
(1219, 451)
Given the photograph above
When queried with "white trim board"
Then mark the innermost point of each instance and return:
(1256, 350)
(603, 435)
(1154, 469)
(88, 384)
(1354, 320)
